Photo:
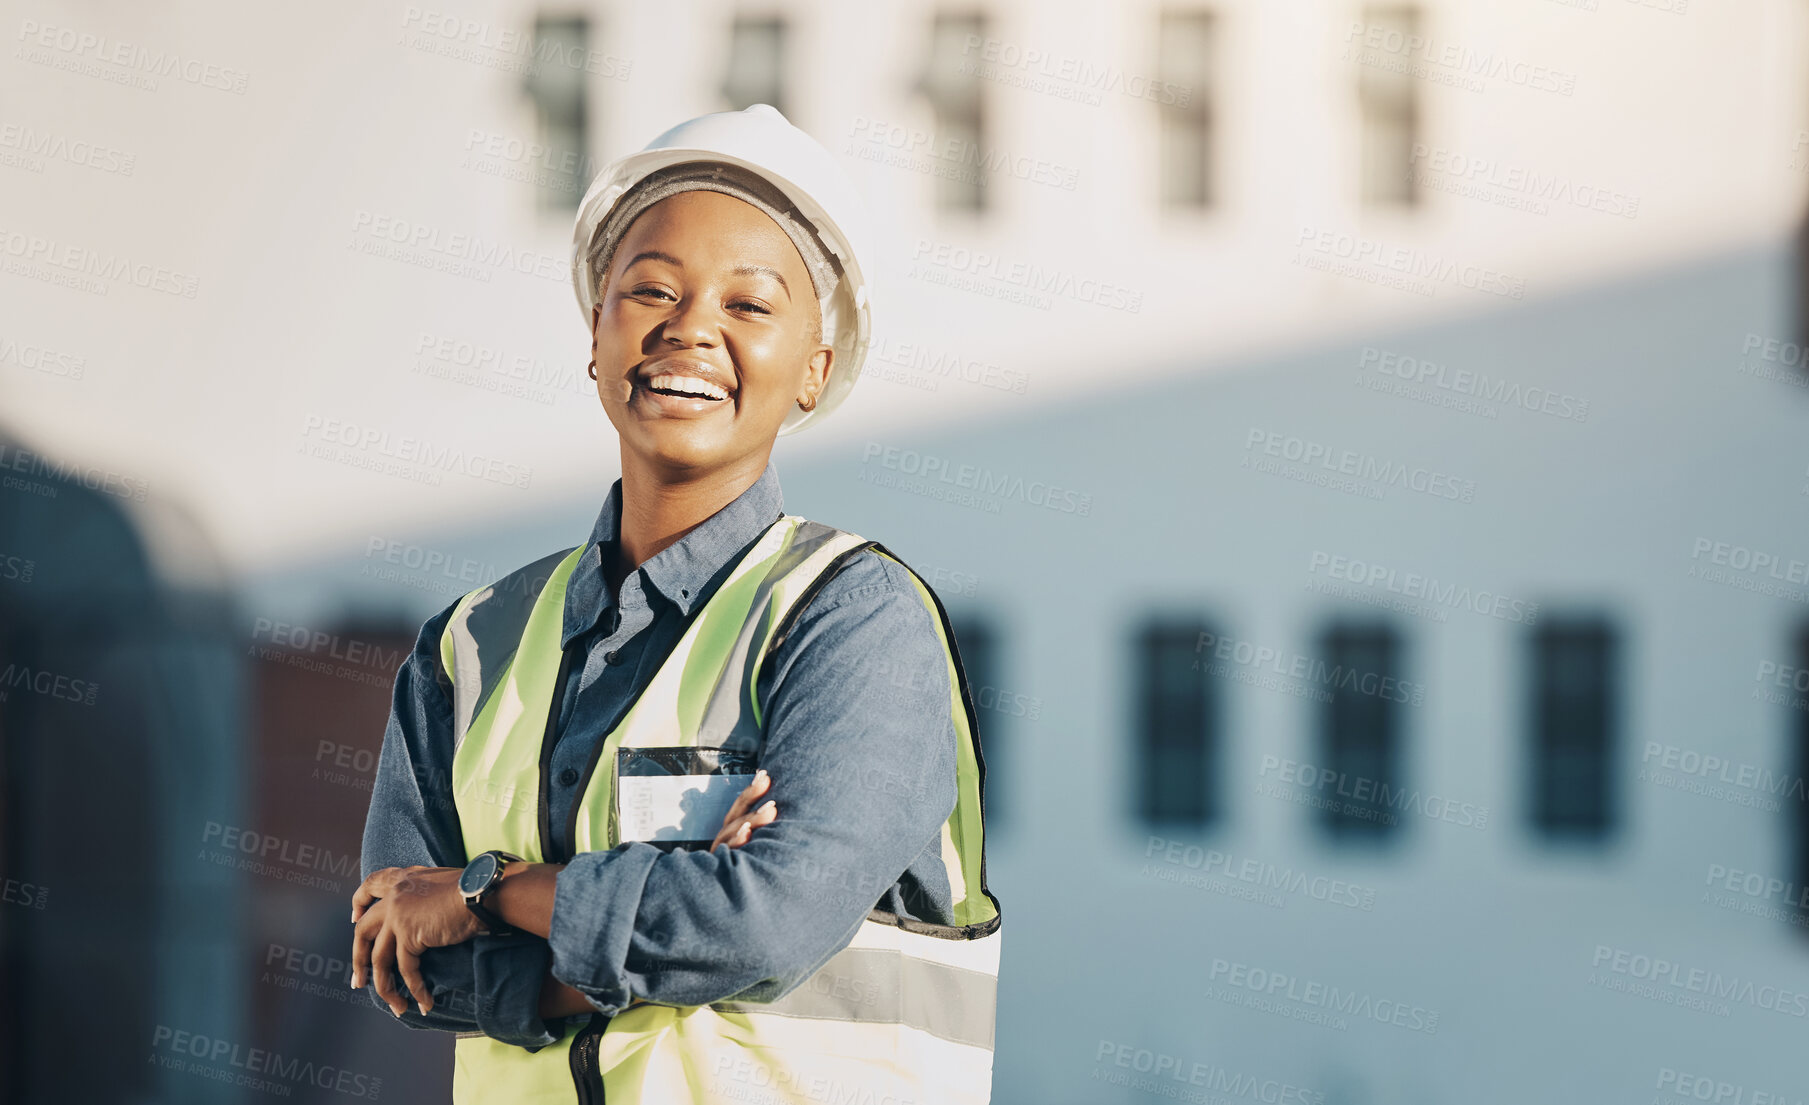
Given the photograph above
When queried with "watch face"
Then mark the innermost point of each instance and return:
(478, 873)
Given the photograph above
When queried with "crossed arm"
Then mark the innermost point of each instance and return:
(412, 909)
(859, 753)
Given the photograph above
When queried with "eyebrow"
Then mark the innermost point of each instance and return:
(738, 270)
(762, 270)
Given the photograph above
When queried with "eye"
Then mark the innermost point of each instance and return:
(650, 290)
(753, 306)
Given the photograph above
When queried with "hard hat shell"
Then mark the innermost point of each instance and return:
(762, 140)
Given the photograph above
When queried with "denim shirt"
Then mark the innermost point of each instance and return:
(859, 745)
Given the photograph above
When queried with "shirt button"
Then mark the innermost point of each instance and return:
(612, 657)
(568, 777)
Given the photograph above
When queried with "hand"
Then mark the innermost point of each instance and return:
(738, 824)
(400, 912)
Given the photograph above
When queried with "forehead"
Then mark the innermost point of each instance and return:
(712, 228)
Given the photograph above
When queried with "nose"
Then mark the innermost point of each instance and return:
(692, 324)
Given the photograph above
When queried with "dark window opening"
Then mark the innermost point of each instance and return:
(1177, 720)
(1573, 718)
(1362, 797)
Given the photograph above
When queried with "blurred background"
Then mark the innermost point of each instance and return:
(1360, 445)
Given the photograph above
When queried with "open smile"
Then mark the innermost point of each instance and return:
(686, 387)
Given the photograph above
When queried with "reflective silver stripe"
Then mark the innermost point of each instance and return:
(724, 710)
(485, 635)
(863, 984)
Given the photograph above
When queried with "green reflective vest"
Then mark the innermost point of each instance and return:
(902, 1016)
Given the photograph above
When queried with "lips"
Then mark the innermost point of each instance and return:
(684, 378)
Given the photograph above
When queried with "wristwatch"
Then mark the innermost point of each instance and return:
(479, 878)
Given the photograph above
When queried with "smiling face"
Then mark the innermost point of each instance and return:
(706, 333)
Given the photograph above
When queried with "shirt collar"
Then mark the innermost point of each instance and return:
(682, 570)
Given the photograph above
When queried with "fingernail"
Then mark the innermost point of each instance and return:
(759, 773)
(766, 805)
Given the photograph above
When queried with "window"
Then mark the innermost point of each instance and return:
(556, 83)
(1390, 105)
(1184, 57)
(978, 645)
(951, 83)
(756, 63)
(1360, 740)
(1177, 726)
(1573, 710)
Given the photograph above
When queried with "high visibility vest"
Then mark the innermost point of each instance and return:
(901, 1016)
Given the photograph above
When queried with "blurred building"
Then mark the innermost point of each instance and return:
(120, 730)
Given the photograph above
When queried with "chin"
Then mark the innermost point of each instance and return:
(681, 448)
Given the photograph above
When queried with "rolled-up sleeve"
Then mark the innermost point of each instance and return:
(861, 751)
(489, 984)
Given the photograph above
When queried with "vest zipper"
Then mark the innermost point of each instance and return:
(587, 1076)
(587, 1071)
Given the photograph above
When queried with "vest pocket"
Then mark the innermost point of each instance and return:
(675, 797)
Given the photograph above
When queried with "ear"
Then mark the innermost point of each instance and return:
(816, 373)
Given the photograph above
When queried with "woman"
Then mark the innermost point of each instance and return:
(562, 862)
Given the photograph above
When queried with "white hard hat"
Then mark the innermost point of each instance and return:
(762, 141)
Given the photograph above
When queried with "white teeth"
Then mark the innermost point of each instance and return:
(690, 385)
